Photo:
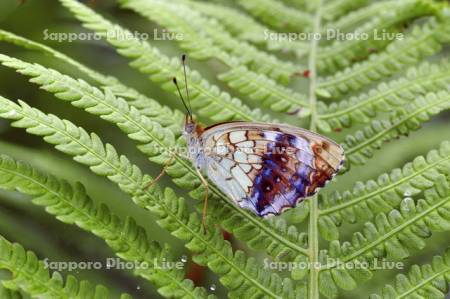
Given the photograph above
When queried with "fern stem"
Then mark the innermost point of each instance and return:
(313, 76)
(313, 287)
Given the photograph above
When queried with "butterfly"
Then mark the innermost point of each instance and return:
(265, 168)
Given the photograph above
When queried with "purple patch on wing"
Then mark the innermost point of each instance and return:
(276, 187)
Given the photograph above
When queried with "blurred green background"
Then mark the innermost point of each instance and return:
(29, 225)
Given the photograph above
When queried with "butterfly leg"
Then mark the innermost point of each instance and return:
(205, 202)
(163, 171)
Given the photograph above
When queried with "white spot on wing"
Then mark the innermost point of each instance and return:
(241, 178)
(221, 149)
(246, 167)
(240, 157)
(246, 146)
(237, 136)
(227, 164)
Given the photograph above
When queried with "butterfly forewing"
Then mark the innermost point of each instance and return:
(268, 168)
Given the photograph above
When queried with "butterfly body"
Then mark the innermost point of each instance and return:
(266, 168)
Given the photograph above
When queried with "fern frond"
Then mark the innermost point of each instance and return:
(350, 21)
(360, 146)
(207, 100)
(386, 96)
(426, 281)
(266, 91)
(301, 4)
(165, 116)
(71, 204)
(343, 53)
(277, 15)
(382, 195)
(9, 294)
(423, 41)
(207, 37)
(243, 276)
(104, 104)
(246, 28)
(393, 235)
(32, 276)
(211, 249)
(335, 9)
(158, 145)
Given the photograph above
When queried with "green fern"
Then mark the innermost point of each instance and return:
(278, 15)
(393, 235)
(104, 160)
(367, 199)
(147, 106)
(157, 144)
(350, 21)
(426, 281)
(208, 100)
(214, 39)
(31, 275)
(362, 144)
(9, 294)
(72, 205)
(385, 97)
(335, 9)
(377, 90)
(246, 28)
(341, 54)
(422, 42)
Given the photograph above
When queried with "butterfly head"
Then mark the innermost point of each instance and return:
(192, 130)
(192, 133)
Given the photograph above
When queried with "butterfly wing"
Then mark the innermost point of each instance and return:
(268, 168)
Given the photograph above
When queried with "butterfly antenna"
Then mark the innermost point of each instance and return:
(181, 96)
(183, 60)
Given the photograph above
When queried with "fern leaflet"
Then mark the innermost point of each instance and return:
(422, 42)
(360, 146)
(146, 106)
(207, 100)
(426, 281)
(381, 195)
(32, 276)
(72, 205)
(392, 235)
(385, 97)
(206, 35)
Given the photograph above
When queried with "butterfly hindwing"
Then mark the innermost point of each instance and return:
(268, 168)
